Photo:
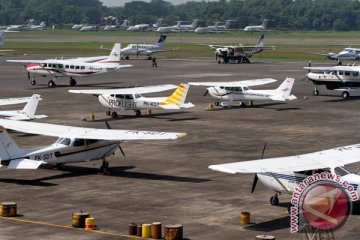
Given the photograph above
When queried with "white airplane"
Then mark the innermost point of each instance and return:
(179, 27)
(283, 174)
(235, 93)
(339, 78)
(169, 29)
(138, 27)
(41, 26)
(238, 54)
(89, 28)
(257, 28)
(76, 67)
(77, 26)
(74, 144)
(132, 99)
(348, 53)
(144, 49)
(27, 113)
(217, 28)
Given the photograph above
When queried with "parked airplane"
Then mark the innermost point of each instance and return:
(179, 27)
(144, 26)
(76, 67)
(27, 113)
(144, 49)
(78, 26)
(124, 25)
(235, 93)
(217, 28)
(74, 144)
(257, 28)
(237, 54)
(88, 28)
(346, 54)
(169, 29)
(339, 78)
(132, 99)
(283, 174)
(29, 26)
(41, 26)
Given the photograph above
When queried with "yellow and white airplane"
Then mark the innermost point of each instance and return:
(76, 67)
(132, 99)
(235, 93)
(74, 144)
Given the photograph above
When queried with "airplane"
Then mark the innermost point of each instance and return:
(74, 144)
(144, 26)
(88, 28)
(144, 49)
(29, 26)
(27, 113)
(124, 25)
(76, 67)
(132, 99)
(41, 26)
(237, 54)
(77, 26)
(257, 28)
(179, 27)
(235, 93)
(217, 28)
(345, 54)
(339, 78)
(283, 174)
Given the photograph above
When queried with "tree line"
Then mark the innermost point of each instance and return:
(340, 15)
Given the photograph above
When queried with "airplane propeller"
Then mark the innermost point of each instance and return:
(256, 177)
(109, 127)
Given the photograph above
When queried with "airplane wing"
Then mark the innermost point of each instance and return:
(334, 68)
(138, 90)
(88, 59)
(244, 83)
(331, 158)
(26, 61)
(10, 101)
(86, 133)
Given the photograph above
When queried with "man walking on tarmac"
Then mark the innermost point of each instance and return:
(154, 64)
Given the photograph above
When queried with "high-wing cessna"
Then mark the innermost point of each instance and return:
(256, 28)
(74, 144)
(283, 174)
(76, 67)
(131, 98)
(339, 78)
(235, 93)
(27, 113)
(237, 54)
(144, 49)
(345, 54)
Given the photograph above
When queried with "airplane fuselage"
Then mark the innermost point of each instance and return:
(129, 101)
(140, 49)
(239, 93)
(342, 78)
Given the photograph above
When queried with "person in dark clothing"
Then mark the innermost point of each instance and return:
(154, 64)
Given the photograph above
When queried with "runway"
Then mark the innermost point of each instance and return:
(169, 181)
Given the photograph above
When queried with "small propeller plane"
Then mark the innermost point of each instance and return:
(76, 67)
(283, 174)
(235, 93)
(27, 113)
(131, 98)
(348, 53)
(74, 144)
(339, 78)
(144, 49)
(256, 28)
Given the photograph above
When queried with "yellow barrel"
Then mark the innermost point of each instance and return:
(89, 223)
(156, 230)
(92, 117)
(173, 232)
(245, 217)
(211, 106)
(146, 230)
(8, 209)
(132, 229)
(139, 230)
(78, 219)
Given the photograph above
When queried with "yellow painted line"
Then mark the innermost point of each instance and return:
(58, 226)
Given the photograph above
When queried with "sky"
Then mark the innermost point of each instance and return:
(111, 3)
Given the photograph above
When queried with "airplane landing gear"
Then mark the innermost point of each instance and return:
(316, 92)
(127, 57)
(59, 166)
(72, 82)
(51, 83)
(108, 113)
(114, 114)
(104, 169)
(274, 200)
(137, 112)
(345, 94)
(33, 82)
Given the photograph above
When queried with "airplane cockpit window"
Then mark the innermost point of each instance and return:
(64, 141)
(137, 96)
(79, 142)
(341, 171)
(119, 96)
(129, 96)
(43, 65)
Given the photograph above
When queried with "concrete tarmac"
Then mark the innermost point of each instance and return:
(169, 181)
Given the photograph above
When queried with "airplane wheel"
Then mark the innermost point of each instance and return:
(217, 104)
(108, 113)
(114, 114)
(72, 82)
(104, 169)
(137, 113)
(127, 57)
(149, 58)
(345, 94)
(316, 92)
(219, 62)
(33, 82)
(274, 200)
(51, 83)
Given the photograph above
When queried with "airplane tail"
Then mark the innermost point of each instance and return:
(8, 147)
(261, 41)
(194, 23)
(158, 23)
(161, 41)
(177, 99)
(30, 108)
(264, 23)
(227, 24)
(42, 24)
(285, 89)
(114, 57)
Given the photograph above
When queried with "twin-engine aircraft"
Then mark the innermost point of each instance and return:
(283, 174)
(339, 78)
(131, 98)
(27, 113)
(74, 144)
(144, 49)
(235, 93)
(76, 67)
